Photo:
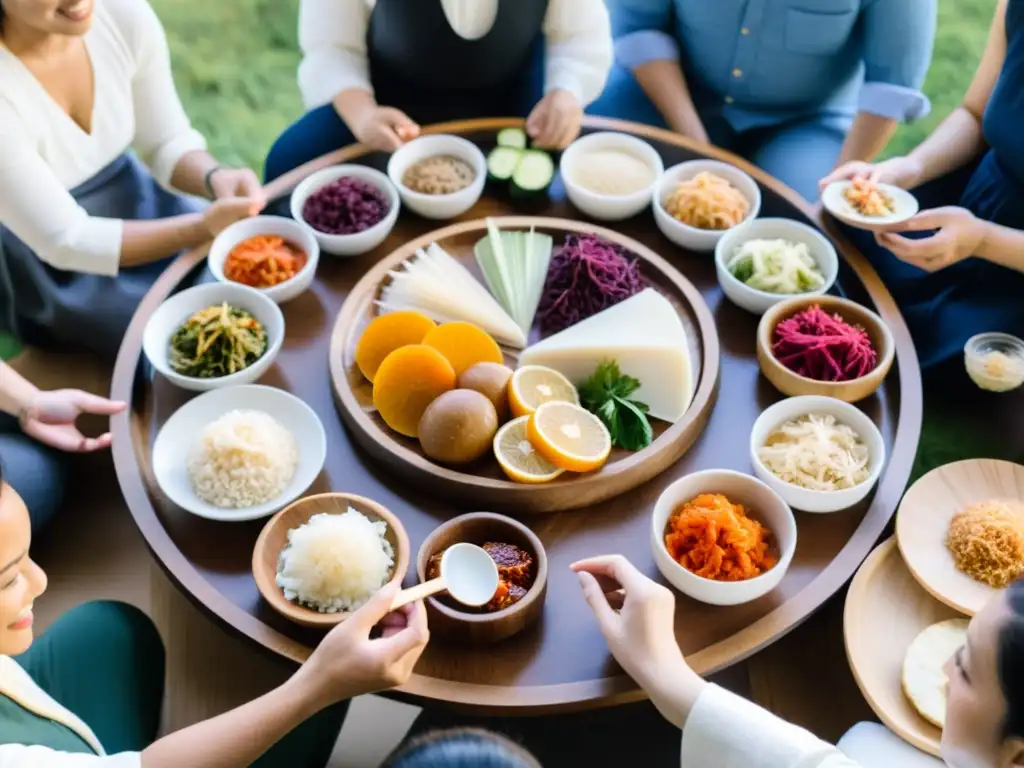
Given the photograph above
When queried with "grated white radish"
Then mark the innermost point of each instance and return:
(816, 452)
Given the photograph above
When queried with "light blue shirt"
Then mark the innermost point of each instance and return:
(766, 62)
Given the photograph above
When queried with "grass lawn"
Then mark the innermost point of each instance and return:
(235, 66)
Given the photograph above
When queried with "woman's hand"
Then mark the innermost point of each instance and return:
(637, 619)
(226, 211)
(237, 182)
(385, 129)
(555, 122)
(960, 235)
(903, 172)
(50, 418)
(349, 663)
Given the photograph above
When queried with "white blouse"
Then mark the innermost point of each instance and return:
(16, 684)
(332, 35)
(44, 153)
(727, 731)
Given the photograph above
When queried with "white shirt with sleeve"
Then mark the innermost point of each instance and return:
(332, 35)
(44, 153)
(22, 689)
(727, 731)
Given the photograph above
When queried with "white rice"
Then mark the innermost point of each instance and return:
(335, 563)
(242, 459)
(612, 172)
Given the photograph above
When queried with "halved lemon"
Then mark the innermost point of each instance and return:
(569, 436)
(533, 385)
(518, 458)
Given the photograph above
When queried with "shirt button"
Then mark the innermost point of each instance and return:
(737, 73)
(729, 99)
(745, 31)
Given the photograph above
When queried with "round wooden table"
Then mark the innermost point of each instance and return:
(562, 663)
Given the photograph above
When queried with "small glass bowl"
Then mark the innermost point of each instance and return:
(995, 361)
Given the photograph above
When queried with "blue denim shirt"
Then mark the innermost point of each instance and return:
(765, 62)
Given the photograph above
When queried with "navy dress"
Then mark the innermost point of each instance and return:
(944, 309)
(420, 65)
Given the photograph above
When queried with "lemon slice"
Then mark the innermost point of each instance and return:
(569, 436)
(533, 385)
(517, 456)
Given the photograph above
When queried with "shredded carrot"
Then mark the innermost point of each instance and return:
(867, 199)
(264, 261)
(714, 538)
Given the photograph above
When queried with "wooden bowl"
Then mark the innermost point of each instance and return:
(794, 385)
(274, 537)
(479, 628)
(924, 515)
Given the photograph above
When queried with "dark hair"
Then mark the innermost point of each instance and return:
(462, 748)
(1011, 662)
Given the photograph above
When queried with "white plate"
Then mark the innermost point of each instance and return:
(178, 435)
(906, 206)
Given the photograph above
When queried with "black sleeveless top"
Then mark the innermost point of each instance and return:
(419, 62)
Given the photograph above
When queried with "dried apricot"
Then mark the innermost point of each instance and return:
(464, 345)
(408, 381)
(387, 333)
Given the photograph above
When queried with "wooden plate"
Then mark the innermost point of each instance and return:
(485, 484)
(885, 610)
(924, 516)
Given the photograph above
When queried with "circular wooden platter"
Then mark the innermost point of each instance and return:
(486, 486)
(886, 609)
(561, 662)
(925, 513)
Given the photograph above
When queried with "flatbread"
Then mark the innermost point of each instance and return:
(923, 680)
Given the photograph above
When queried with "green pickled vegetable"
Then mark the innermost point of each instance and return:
(217, 341)
(776, 266)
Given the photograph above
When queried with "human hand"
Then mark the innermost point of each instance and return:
(903, 172)
(960, 235)
(236, 182)
(226, 211)
(50, 418)
(555, 121)
(385, 129)
(348, 663)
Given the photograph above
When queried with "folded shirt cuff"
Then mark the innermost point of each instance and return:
(92, 245)
(325, 74)
(896, 102)
(638, 48)
(167, 157)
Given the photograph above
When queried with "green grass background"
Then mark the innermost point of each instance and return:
(235, 66)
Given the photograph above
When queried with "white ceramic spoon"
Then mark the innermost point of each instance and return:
(467, 573)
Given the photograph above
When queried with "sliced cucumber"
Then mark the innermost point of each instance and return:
(535, 172)
(515, 138)
(502, 163)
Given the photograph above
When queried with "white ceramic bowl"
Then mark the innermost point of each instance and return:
(439, 206)
(156, 339)
(754, 495)
(179, 435)
(360, 242)
(290, 230)
(694, 239)
(759, 302)
(609, 207)
(802, 498)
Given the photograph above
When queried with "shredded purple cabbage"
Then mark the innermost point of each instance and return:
(345, 207)
(588, 274)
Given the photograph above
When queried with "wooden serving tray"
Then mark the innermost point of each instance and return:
(484, 483)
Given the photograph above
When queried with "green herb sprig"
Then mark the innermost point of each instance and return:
(606, 395)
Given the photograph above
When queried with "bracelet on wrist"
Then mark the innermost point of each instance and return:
(209, 178)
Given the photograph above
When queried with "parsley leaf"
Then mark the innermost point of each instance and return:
(606, 394)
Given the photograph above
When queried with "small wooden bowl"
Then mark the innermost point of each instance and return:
(794, 385)
(481, 628)
(274, 538)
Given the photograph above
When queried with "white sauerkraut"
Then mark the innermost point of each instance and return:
(818, 453)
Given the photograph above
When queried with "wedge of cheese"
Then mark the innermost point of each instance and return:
(644, 335)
